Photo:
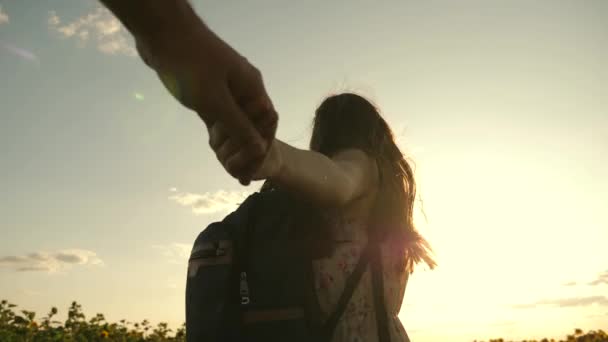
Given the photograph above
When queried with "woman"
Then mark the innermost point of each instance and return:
(359, 183)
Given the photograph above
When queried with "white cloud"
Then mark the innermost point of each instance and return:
(53, 19)
(50, 262)
(568, 302)
(176, 252)
(99, 25)
(3, 16)
(208, 202)
(602, 278)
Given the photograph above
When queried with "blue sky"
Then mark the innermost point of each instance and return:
(503, 106)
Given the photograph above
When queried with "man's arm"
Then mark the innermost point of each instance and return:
(202, 72)
(146, 19)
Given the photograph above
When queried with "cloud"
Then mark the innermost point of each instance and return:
(208, 202)
(602, 279)
(568, 302)
(598, 315)
(50, 262)
(177, 253)
(507, 323)
(108, 33)
(54, 20)
(4, 19)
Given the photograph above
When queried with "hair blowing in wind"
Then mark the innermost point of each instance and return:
(349, 120)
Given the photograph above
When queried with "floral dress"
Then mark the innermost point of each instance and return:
(358, 323)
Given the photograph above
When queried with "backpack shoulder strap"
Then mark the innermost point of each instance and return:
(378, 292)
(349, 288)
(370, 256)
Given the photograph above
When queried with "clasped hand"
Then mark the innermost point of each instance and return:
(234, 158)
(206, 75)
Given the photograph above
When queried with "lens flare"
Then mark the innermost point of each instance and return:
(139, 96)
(21, 53)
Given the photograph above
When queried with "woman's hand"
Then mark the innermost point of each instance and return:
(234, 158)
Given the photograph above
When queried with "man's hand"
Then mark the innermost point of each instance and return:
(208, 76)
(204, 74)
(229, 154)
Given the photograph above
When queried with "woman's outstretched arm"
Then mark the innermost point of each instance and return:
(323, 181)
(328, 182)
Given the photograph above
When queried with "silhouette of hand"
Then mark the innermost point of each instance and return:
(206, 75)
(231, 156)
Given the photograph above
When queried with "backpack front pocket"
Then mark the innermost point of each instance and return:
(209, 286)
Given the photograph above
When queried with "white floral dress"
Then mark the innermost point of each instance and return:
(358, 323)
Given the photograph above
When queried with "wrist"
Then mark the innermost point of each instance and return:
(168, 22)
(278, 148)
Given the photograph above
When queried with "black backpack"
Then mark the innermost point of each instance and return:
(250, 278)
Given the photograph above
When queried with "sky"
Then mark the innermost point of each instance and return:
(502, 106)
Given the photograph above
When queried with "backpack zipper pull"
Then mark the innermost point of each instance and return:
(244, 289)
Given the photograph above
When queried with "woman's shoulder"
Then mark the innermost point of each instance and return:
(357, 211)
(362, 162)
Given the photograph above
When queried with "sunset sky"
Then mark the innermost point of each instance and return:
(502, 105)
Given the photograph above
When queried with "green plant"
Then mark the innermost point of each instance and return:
(23, 327)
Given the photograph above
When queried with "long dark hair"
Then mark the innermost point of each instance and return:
(349, 120)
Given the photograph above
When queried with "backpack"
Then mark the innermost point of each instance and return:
(250, 278)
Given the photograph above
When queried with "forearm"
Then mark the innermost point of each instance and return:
(147, 19)
(312, 176)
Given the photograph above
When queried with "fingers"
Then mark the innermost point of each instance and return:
(248, 119)
(261, 112)
(217, 136)
(227, 152)
(234, 156)
(247, 87)
(243, 165)
(237, 124)
(264, 117)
